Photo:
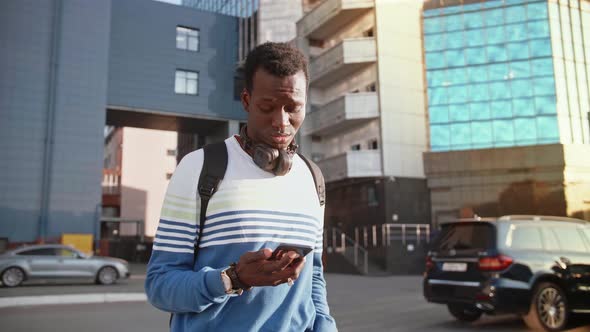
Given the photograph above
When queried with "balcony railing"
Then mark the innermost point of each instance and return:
(342, 60)
(352, 164)
(344, 113)
(330, 16)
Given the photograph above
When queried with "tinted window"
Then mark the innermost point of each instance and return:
(466, 236)
(64, 252)
(38, 252)
(524, 237)
(587, 232)
(550, 240)
(570, 239)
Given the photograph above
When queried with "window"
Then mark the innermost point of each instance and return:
(171, 152)
(373, 144)
(355, 147)
(38, 252)
(186, 82)
(525, 238)
(187, 39)
(64, 252)
(549, 240)
(570, 239)
(372, 196)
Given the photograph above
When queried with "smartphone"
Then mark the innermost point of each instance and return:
(284, 248)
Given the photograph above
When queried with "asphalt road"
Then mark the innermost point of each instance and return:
(358, 304)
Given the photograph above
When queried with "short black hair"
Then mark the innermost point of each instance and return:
(279, 59)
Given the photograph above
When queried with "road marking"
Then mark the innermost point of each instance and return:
(21, 301)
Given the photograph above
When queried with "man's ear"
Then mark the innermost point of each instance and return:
(245, 98)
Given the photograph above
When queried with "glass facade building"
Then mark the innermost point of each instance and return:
(491, 70)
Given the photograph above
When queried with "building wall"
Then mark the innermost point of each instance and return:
(570, 41)
(276, 20)
(146, 164)
(143, 60)
(401, 87)
(73, 84)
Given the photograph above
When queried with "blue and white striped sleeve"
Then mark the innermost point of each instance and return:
(324, 322)
(171, 283)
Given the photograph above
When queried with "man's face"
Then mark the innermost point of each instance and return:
(276, 107)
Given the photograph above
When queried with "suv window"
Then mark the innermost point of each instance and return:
(569, 239)
(550, 240)
(524, 237)
(466, 236)
(38, 252)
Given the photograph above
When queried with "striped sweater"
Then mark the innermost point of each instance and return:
(251, 210)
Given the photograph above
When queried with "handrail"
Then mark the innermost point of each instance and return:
(350, 249)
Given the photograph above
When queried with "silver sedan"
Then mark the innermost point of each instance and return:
(58, 261)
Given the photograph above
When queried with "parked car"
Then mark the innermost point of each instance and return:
(58, 261)
(535, 266)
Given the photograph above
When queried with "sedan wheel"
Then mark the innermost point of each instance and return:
(107, 275)
(548, 311)
(12, 277)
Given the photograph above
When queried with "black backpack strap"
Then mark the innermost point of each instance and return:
(318, 178)
(214, 166)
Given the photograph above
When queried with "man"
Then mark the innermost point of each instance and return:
(256, 208)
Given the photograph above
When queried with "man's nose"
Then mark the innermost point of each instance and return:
(280, 119)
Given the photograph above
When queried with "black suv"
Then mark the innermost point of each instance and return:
(536, 266)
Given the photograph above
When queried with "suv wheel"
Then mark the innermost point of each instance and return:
(549, 309)
(464, 312)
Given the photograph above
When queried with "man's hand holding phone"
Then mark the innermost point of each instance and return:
(271, 268)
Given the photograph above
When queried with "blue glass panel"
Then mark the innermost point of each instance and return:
(540, 47)
(460, 135)
(499, 90)
(547, 128)
(434, 42)
(437, 96)
(498, 71)
(478, 74)
(522, 88)
(515, 14)
(493, 3)
(475, 37)
(542, 67)
(545, 105)
(494, 17)
(432, 25)
(538, 29)
(525, 131)
(516, 32)
(455, 39)
(454, 22)
(435, 60)
(496, 35)
(481, 132)
(544, 85)
(515, 2)
(440, 136)
(455, 58)
(431, 12)
(475, 55)
(457, 75)
(458, 94)
(473, 20)
(458, 112)
(501, 109)
(435, 77)
(472, 7)
(518, 50)
(520, 69)
(439, 114)
(537, 10)
(503, 132)
(523, 106)
(480, 111)
(497, 53)
(451, 9)
(479, 92)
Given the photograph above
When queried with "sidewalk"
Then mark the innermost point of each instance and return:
(76, 291)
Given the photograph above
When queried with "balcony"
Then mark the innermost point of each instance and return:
(330, 16)
(344, 113)
(342, 60)
(352, 164)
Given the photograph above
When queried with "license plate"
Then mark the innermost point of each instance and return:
(454, 267)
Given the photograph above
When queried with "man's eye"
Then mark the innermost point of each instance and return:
(293, 109)
(265, 108)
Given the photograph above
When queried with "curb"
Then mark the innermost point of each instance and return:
(22, 301)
